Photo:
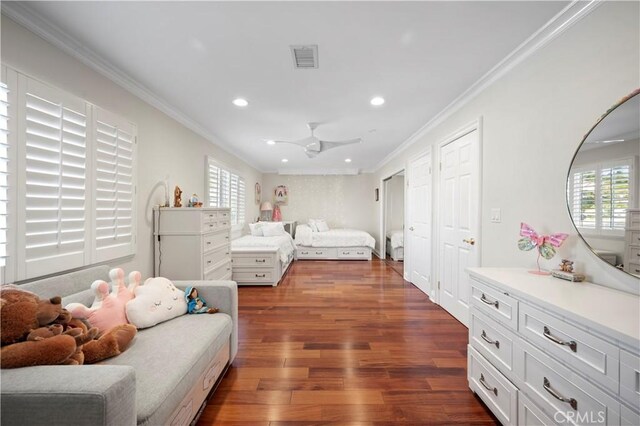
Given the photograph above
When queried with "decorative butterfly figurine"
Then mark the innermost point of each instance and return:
(546, 243)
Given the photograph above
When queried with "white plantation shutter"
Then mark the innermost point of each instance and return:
(600, 195)
(225, 189)
(241, 201)
(54, 160)
(115, 149)
(213, 185)
(4, 171)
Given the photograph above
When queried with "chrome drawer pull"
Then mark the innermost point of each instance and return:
(491, 342)
(572, 344)
(487, 387)
(261, 260)
(261, 275)
(484, 299)
(360, 252)
(556, 395)
(318, 252)
(304, 252)
(345, 252)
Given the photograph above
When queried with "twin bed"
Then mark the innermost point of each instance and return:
(260, 260)
(395, 245)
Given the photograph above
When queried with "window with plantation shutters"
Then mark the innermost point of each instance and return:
(53, 167)
(600, 195)
(225, 189)
(67, 181)
(115, 144)
(4, 172)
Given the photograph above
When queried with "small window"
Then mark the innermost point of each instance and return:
(225, 188)
(600, 195)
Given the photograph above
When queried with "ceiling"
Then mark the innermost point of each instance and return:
(199, 56)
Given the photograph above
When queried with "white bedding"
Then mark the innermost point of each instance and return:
(333, 238)
(397, 238)
(284, 243)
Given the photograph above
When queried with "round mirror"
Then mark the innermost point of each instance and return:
(603, 186)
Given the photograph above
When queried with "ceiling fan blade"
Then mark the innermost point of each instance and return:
(334, 144)
(301, 143)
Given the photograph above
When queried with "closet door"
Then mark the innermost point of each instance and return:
(419, 208)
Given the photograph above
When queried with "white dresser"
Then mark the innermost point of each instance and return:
(632, 242)
(192, 243)
(544, 351)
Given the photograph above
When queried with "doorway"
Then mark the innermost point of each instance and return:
(459, 219)
(393, 221)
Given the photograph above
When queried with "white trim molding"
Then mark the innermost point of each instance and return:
(24, 15)
(561, 22)
(319, 172)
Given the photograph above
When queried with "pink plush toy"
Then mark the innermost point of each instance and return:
(108, 310)
(109, 313)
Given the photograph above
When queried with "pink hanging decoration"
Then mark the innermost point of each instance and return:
(277, 215)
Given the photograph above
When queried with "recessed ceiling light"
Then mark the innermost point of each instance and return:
(284, 160)
(239, 102)
(271, 142)
(377, 101)
(347, 160)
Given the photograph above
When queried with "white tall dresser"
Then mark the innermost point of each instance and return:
(632, 242)
(544, 351)
(192, 243)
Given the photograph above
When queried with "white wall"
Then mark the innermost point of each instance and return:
(343, 201)
(533, 120)
(394, 196)
(164, 145)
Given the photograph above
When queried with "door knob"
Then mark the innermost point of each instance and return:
(411, 228)
(469, 241)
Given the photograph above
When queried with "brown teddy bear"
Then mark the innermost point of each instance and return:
(40, 332)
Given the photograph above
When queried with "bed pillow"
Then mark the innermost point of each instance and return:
(322, 226)
(256, 229)
(312, 225)
(273, 229)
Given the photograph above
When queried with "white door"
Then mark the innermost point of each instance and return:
(458, 225)
(419, 221)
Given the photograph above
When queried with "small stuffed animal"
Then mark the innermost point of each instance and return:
(196, 304)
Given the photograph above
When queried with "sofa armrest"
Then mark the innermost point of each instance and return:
(69, 395)
(222, 295)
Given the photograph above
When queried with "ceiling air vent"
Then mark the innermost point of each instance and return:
(305, 57)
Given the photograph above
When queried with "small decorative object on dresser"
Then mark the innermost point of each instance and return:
(566, 272)
(545, 244)
(194, 201)
(177, 197)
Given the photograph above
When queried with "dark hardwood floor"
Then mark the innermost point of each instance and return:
(397, 266)
(341, 342)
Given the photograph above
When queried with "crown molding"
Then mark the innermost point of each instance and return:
(561, 22)
(24, 15)
(319, 172)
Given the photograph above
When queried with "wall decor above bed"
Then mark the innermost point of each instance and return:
(281, 195)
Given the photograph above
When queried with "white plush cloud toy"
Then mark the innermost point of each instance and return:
(156, 301)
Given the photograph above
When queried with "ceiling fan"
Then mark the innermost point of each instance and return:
(314, 146)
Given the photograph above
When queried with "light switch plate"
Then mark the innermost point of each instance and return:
(496, 216)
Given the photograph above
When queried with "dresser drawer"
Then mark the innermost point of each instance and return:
(634, 238)
(349, 253)
(215, 257)
(218, 272)
(497, 305)
(561, 394)
(257, 276)
(492, 387)
(316, 253)
(211, 241)
(530, 415)
(628, 417)
(633, 220)
(254, 259)
(493, 341)
(591, 355)
(211, 216)
(630, 378)
(633, 267)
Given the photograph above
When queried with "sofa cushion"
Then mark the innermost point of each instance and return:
(84, 297)
(67, 284)
(169, 358)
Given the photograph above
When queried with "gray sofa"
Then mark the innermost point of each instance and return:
(161, 378)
